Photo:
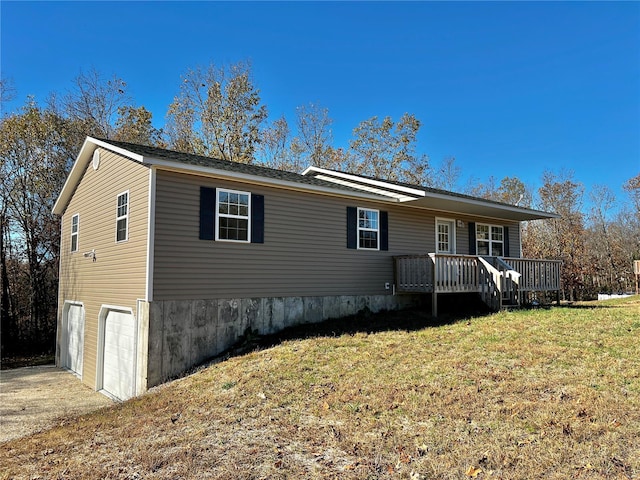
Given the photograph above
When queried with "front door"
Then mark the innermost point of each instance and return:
(445, 236)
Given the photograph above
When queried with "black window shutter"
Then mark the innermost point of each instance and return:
(352, 227)
(384, 231)
(505, 237)
(257, 218)
(207, 213)
(472, 238)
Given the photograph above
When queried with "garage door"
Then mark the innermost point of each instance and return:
(74, 338)
(119, 361)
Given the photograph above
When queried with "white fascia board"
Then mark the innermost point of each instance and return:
(258, 179)
(367, 181)
(79, 166)
(398, 197)
(113, 148)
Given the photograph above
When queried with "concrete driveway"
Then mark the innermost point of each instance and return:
(37, 398)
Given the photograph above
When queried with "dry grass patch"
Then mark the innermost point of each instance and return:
(516, 395)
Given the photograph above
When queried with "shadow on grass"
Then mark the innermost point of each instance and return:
(454, 308)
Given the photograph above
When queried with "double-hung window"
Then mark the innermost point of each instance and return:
(233, 215)
(75, 228)
(122, 217)
(490, 240)
(368, 228)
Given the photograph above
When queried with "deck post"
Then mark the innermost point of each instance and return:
(434, 304)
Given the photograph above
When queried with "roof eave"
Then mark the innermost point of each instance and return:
(479, 208)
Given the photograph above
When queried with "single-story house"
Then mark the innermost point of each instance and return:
(167, 258)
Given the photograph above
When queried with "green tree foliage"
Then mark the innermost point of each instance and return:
(218, 113)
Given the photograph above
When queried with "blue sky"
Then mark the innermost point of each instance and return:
(507, 88)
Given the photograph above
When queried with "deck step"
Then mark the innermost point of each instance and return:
(510, 305)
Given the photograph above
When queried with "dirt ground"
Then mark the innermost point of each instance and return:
(36, 398)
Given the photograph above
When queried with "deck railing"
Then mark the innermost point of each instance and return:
(537, 275)
(500, 281)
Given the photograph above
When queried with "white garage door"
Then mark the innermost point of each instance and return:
(119, 362)
(74, 338)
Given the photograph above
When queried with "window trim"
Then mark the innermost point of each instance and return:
(248, 217)
(453, 246)
(359, 229)
(490, 240)
(123, 217)
(75, 234)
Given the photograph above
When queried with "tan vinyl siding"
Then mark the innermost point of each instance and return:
(118, 276)
(304, 252)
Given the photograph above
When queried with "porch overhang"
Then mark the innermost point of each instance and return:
(430, 198)
(477, 207)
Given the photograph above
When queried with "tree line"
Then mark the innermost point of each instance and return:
(218, 112)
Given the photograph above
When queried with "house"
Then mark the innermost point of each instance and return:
(166, 258)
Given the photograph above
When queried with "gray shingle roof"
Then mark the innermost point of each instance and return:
(226, 165)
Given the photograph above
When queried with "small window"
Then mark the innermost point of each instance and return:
(233, 216)
(368, 229)
(490, 240)
(122, 217)
(75, 227)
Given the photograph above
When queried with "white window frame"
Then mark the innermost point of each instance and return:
(490, 240)
(365, 229)
(227, 215)
(124, 217)
(75, 234)
(452, 235)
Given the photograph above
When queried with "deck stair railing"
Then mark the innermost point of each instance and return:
(501, 287)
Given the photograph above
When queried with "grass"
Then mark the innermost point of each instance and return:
(547, 393)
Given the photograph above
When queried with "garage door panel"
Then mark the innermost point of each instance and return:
(119, 354)
(74, 338)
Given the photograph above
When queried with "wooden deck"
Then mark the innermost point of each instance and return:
(501, 282)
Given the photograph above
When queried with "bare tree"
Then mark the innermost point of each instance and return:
(33, 167)
(94, 103)
(560, 238)
(275, 144)
(446, 175)
(7, 91)
(218, 113)
(135, 125)
(313, 143)
(387, 149)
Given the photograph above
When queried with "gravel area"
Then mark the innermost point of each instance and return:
(33, 399)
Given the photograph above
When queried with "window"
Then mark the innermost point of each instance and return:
(122, 217)
(75, 226)
(368, 228)
(233, 216)
(490, 240)
(229, 215)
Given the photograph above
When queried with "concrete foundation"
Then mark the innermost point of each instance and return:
(184, 333)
